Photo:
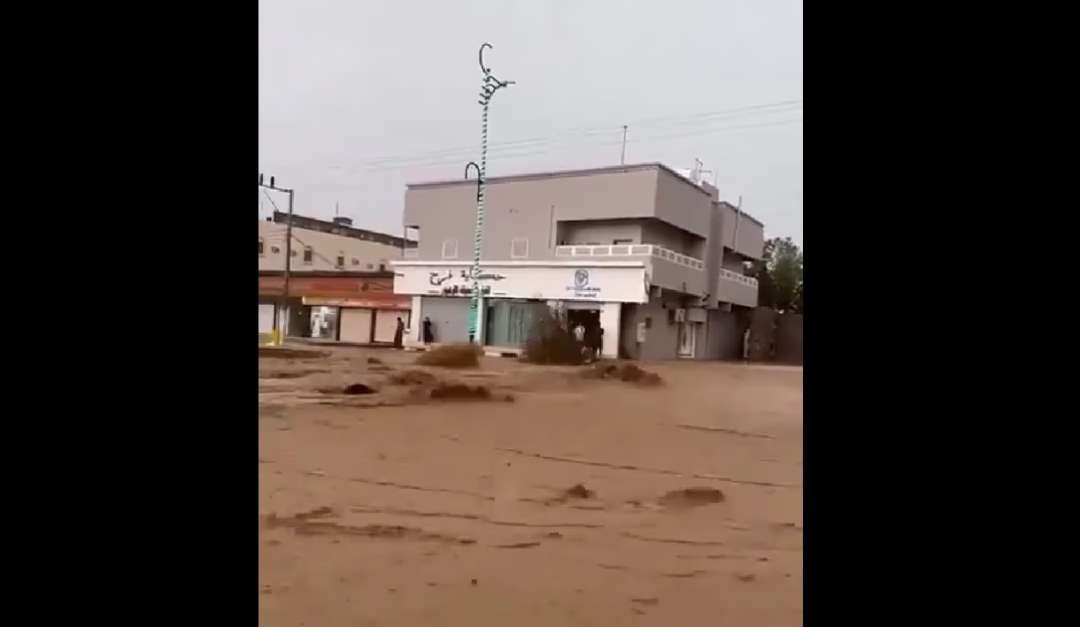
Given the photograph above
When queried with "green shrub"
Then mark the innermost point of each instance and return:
(550, 342)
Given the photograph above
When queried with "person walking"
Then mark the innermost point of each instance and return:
(399, 332)
(429, 336)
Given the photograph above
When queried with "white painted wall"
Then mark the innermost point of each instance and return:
(614, 282)
(610, 323)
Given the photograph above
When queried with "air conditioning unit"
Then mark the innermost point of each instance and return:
(680, 315)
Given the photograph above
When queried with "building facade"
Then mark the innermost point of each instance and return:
(341, 282)
(654, 259)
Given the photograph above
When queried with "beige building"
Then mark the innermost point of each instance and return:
(341, 280)
(654, 259)
(318, 245)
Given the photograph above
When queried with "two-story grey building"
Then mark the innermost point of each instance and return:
(654, 259)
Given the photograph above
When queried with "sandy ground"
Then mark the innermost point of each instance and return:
(456, 513)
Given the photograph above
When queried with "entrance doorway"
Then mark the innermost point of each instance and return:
(687, 339)
(324, 323)
(590, 318)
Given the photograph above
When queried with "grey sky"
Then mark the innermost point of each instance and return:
(345, 85)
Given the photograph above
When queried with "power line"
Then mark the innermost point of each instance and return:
(534, 142)
(641, 140)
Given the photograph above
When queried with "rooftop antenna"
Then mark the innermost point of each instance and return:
(622, 160)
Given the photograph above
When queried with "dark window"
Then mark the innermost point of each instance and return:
(355, 261)
(260, 247)
(308, 253)
(275, 250)
(341, 261)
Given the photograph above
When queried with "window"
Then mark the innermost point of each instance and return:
(628, 240)
(260, 247)
(308, 254)
(355, 261)
(519, 248)
(340, 261)
(449, 249)
(370, 266)
(274, 250)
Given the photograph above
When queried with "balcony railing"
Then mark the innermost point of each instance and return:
(629, 250)
(740, 278)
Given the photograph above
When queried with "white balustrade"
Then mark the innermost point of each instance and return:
(635, 250)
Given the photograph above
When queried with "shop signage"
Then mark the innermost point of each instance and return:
(581, 287)
(605, 283)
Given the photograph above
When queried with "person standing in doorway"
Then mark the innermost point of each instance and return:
(746, 345)
(399, 332)
(579, 341)
(429, 336)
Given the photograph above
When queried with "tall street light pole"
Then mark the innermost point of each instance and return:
(488, 87)
(278, 335)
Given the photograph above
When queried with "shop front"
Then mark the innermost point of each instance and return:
(515, 294)
(358, 308)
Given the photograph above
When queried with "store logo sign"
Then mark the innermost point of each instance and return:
(581, 278)
(581, 287)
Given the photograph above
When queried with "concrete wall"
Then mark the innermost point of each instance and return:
(360, 255)
(599, 232)
(531, 206)
(449, 317)
(749, 240)
(724, 335)
(673, 276)
(729, 290)
(661, 339)
(762, 334)
(789, 338)
(526, 207)
(672, 238)
(683, 204)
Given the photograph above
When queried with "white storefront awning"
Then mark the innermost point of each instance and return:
(624, 282)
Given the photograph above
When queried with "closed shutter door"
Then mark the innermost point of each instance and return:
(356, 325)
(386, 324)
(266, 318)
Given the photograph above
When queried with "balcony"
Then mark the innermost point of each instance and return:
(629, 250)
(667, 268)
(736, 288)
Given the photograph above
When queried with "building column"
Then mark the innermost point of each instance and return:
(481, 306)
(416, 321)
(610, 323)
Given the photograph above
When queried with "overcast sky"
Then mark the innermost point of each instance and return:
(359, 97)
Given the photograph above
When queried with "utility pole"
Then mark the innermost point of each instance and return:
(488, 87)
(278, 335)
(622, 160)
